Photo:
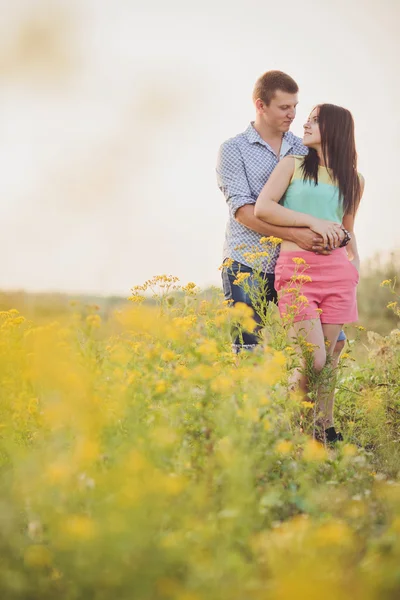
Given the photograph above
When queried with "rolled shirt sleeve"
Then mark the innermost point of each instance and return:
(232, 178)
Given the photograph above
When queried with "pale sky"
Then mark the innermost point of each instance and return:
(112, 113)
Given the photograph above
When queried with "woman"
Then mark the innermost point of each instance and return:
(321, 191)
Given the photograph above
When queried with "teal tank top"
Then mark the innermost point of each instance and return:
(320, 200)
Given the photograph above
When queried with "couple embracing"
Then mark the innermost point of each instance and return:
(305, 192)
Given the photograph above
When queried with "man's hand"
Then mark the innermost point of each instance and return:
(308, 240)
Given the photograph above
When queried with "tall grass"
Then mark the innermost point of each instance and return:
(141, 459)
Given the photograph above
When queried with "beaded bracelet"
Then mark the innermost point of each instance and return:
(346, 239)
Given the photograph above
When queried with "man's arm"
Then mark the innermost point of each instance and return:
(232, 178)
(302, 236)
(232, 181)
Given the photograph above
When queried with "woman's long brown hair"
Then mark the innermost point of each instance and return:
(336, 126)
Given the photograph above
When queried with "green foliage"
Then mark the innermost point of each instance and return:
(373, 298)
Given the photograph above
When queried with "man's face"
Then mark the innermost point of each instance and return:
(281, 111)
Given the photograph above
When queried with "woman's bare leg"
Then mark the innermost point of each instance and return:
(311, 332)
(331, 394)
(322, 338)
(327, 391)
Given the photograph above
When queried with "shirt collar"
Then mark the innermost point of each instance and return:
(254, 137)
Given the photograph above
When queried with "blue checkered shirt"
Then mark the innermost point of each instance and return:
(245, 163)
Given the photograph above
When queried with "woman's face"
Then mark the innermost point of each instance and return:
(312, 135)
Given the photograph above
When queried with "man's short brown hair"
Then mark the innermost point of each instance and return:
(272, 81)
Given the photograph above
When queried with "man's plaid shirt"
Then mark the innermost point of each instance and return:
(245, 163)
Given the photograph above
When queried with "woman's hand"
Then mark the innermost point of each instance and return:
(328, 230)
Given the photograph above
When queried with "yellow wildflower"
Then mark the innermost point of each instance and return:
(254, 257)
(284, 447)
(279, 358)
(203, 372)
(58, 472)
(168, 355)
(251, 414)
(267, 425)
(93, 321)
(55, 575)
(182, 371)
(240, 277)
(275, 241)
(314, 452)
(244, 315)
(172, 484)
(208, 348)
(386, 282)
(334, 533)
(161, 387)
(309, 346)
(190, 288)
(300, 278)
(349, 450)
(223, 384)
(33, 405)
(37, 556)
(228, 262)
(18, 320)
(86, 451)
(307, 404)
(136, 299)
(298, 260)
(79, 527)
(264, 400)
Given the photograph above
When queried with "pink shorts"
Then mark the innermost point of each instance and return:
(324, 287)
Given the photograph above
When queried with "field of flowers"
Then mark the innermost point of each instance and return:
(140, 459)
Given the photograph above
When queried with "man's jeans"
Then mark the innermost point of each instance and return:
(243, 340)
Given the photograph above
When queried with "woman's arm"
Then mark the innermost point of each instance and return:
(267, 207)
(352, 250)
(348, 223)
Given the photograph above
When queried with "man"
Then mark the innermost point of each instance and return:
(245, 163)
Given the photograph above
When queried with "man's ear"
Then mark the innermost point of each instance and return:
(260, 105)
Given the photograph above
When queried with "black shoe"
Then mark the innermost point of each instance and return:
(332, 436)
